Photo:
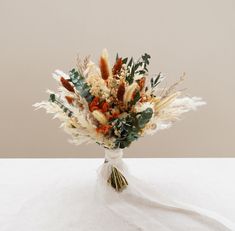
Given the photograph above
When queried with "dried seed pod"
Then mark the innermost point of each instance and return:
(117, 66)
(66, 84)
(121, 91)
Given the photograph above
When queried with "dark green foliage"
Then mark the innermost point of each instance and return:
(124, 61)
(117, 57)
(127, 130)
(130, 63)
(136, 98)
(146, 58)
(144, 117)
(55, 100)
(140, 67)
(52, 97)
(81, 86)
(154, 82)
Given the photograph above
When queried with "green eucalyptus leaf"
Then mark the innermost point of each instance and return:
(117, 57)
(136, 98)
(152, 83)
(130, 62)
(144, 117)
(124, 61)
(52, 97)
(80, 84)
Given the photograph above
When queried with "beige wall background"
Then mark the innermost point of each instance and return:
(196, 37)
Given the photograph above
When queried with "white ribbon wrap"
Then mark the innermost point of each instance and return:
(113, 158)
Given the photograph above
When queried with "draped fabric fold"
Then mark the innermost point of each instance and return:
(68, 199)
(143, 208)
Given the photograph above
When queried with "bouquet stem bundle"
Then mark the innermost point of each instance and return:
(117, 180)
(113, 170)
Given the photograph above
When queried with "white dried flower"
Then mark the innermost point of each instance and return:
(100, 117)
(129, 92)
(98, 86)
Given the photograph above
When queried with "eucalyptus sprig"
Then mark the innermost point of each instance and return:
(128, 129)
(154, 82)
(140, 67)
(80, 84)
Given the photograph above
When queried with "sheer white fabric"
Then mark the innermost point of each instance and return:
(143, 208)
(66, 197)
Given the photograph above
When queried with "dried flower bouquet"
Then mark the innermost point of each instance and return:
(115, 105)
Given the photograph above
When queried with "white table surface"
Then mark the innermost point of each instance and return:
(207, 183)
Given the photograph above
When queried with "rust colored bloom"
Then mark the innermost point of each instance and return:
(104, 68)
(121, 91)
(66, 84)
(114, 116)
(117, 66)
(103, 128)
(94, 105)
(104, 107)
(69, 99)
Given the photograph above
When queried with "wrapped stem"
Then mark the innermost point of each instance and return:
(114, 169)
(117, 180)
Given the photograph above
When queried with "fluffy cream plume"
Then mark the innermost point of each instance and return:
(91, 70)
(58, 74)
(129, 91)
(82, 64)
(105, 69)
(98, 86)
(100, 117)
(164, 102)
(165, 117)
(80, 126)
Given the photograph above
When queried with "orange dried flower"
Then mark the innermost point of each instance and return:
(94, 105)
(66, 84)
(69, 99)
(117, 66)
(93, 108)
(114, 116)
(104, 107)
(103, 128)
(104, 68)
